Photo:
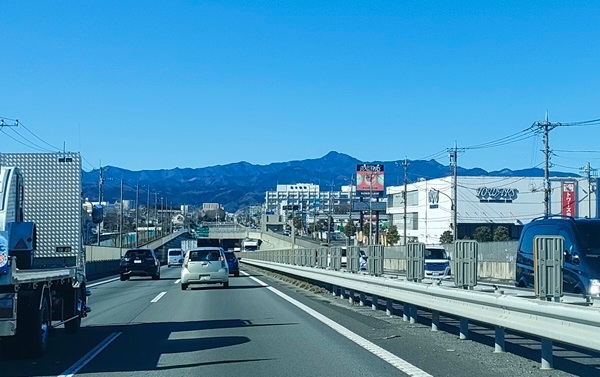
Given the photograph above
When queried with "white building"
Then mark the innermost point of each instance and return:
(304, 198)
(211, 206)
(483, 200)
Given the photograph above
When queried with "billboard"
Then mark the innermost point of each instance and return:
(568, 203)
(369, 180)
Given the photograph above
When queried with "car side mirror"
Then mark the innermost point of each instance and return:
(239, 258)
(575, 259)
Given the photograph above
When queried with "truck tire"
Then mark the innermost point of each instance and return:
(33, 328)
(73, 307)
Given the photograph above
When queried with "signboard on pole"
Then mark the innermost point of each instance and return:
(369, 180)
(568, 200)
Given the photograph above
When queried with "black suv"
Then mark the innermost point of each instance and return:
(581, 268)
(139, 262)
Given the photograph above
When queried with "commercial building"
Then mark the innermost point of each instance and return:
(484, 201)
(211, 206)
(306, 198)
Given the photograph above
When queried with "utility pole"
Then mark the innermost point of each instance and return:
(121, 217)
(405, 164)
(329, 217)
(370, 175)
(155, 214)
(100, 182)
(546, 127)
(589, 173)
(137, 210)
(454, 199)
(148, 216)
(162, 212)
(350, 202)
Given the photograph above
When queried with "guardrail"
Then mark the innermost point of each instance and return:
(550, 321)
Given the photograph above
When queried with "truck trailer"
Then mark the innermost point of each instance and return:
(42, 259)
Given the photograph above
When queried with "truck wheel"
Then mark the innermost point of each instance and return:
(124, 277)
(183, 286)
(73, 307)
(33, 327)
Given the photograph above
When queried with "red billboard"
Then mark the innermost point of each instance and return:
(369, 180)
(568, 201)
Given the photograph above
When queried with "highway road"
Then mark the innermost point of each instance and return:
(260, 326)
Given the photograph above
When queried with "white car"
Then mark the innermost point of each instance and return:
(174, 257)
(437, 263)
(204, 265)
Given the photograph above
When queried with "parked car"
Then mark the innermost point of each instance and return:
(205, 265)
(139, 262)
(437, 262)
(232, 262)
(581, 264)
(175, 257)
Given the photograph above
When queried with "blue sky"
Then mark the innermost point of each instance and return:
(164, 84)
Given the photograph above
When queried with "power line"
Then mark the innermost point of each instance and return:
(593, 122)
(36, 136)
(35, 145)
(510, 139)
(22, 143)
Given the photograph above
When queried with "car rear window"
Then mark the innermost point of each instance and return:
(138, 254)
(435, 254)
(174, 252)
(204, 255)
(230, 256)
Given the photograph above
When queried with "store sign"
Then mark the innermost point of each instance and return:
(568, 199)
(496, 194)
(433, 197)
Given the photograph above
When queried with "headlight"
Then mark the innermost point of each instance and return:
(594, 287)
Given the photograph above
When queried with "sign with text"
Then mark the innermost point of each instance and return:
(569, 204)
(374, 207)
(369, 180)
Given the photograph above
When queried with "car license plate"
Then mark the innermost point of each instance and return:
(436, 274)
(137, 261)
(202, 278)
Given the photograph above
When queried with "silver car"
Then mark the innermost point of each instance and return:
(204, 265)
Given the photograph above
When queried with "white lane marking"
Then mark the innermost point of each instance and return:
(101, 282)
(394, 360)
(177, 281)
(158, 297)
(89, 356)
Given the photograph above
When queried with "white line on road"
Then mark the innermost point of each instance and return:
(177, 281)
(394, 360)
(89, 356)
(155, 299)
(101, 282)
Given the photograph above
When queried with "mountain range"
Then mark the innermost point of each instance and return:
(242, 184)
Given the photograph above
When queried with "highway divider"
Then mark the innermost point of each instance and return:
(549, 321)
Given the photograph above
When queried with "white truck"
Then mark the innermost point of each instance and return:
(42, 260)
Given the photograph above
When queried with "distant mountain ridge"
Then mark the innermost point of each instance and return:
(242, 184)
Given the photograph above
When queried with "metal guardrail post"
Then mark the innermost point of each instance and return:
(548, 258)
(336, 258)
(312, 257)
(322, 257)
(353, 258)
(375, 260)
(465, 263)
(415, 261)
